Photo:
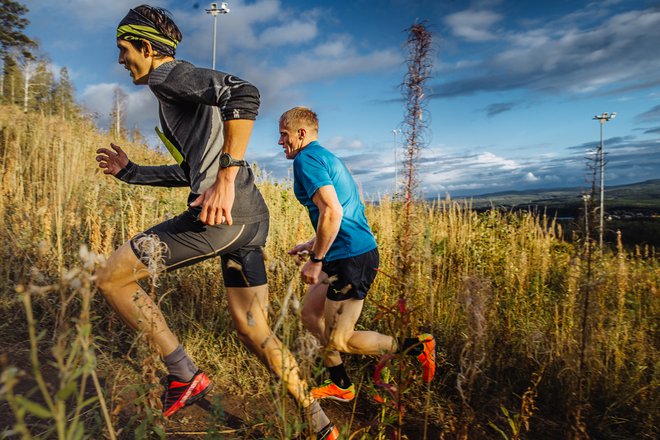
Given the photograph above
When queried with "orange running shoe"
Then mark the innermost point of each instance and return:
(329, 390)
(179, 394)
(330, 432)
(427, 358)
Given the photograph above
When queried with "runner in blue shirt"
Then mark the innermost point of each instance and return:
(344, 251)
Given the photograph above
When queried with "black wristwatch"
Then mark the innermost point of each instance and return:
(227, 161)
(313, 259)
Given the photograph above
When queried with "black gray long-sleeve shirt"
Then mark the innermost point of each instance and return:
(193, 103)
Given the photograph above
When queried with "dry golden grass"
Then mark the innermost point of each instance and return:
(504, 295)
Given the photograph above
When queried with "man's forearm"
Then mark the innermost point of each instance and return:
(326, 231)
(153, 175)
(237, 135)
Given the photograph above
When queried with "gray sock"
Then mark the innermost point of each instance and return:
(179, 364)
(317, 417)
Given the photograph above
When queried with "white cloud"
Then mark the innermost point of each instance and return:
(259, 25)
(141, 109)
(473, 25)
(491, 160)
(334, 49)
(341, 143)
(97, 98)
(288, 33)
(552, 179)
(568, 55)
(530, 177)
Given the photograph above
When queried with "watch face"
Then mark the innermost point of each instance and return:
(225, 160)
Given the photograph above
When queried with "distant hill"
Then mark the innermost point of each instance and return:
(638, 197)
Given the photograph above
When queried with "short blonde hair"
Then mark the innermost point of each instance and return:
(299, 117)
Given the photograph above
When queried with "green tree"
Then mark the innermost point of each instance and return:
(12, 80)
(40, 93)
(12, 24)
(12, 39)
(63, 91)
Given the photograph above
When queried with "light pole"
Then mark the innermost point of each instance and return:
(396, 159)
(214, 11)
(602, 119)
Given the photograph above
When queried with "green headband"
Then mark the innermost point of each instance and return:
(142, 32)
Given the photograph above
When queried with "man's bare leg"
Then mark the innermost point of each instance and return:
(313, 319)
(340, 319)
(117, 281)
(248, 307)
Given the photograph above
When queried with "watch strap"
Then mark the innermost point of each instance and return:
(313, 258)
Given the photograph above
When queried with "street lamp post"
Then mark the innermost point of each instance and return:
(602, 119)
(214, 11)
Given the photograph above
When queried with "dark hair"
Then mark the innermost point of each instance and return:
(163, 21)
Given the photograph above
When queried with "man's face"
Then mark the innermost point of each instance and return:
(135, 61)
(290, 142)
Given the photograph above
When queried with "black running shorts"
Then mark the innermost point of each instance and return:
(190, 241)
(354, 276)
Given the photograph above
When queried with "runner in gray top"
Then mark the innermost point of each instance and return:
(206, 118)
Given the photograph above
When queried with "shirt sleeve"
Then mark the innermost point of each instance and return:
(236, 98)
(312, 172)
(160, 175)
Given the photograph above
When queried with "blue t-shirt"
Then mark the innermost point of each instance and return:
(315, 167)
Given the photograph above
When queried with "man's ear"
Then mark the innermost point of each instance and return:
(302, 132)
(147, 49)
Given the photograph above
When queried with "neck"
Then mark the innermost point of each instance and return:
(309, 141)
(157, 62)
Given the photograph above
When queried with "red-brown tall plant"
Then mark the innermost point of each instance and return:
(414, 128)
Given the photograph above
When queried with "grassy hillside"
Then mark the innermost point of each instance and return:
(644, 195)
(631, 210)
(539, 338)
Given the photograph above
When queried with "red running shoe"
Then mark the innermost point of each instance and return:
(427, 358)
(179, 394)
(330, 432)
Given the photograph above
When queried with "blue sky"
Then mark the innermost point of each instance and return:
(514, 89)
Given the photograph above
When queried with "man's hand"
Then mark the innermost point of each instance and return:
(311, 272)
(218, 199)
(111, 161)
(301, 250)
(216, 203)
